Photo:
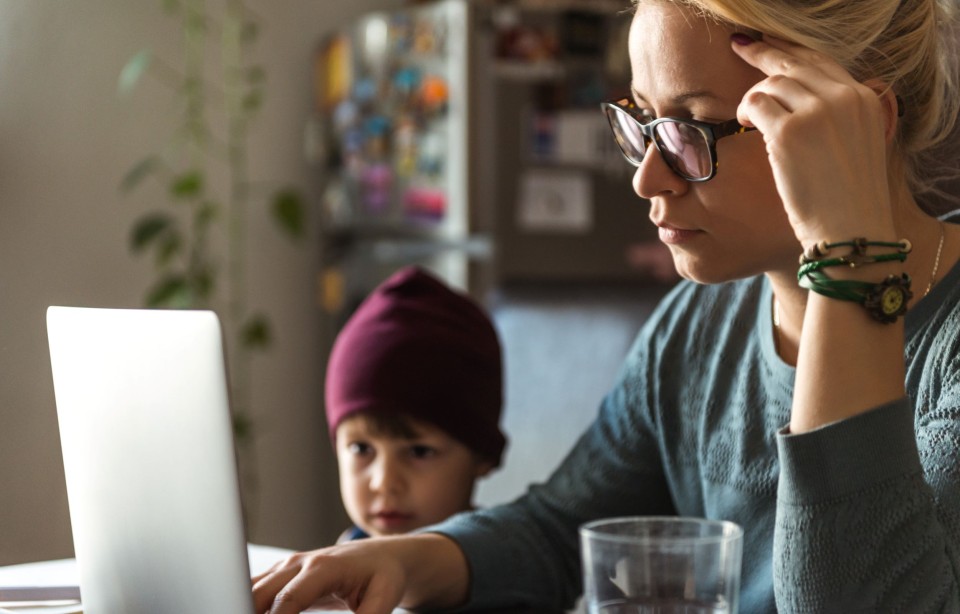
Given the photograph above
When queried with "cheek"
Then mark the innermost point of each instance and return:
(744, 191)
(345, 467)
(744, 159)
(352, 486)
(447, 492)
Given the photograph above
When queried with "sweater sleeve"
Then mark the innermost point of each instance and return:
(862, 525)
(527, 552)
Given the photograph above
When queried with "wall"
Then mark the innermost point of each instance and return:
(562, 346)
(66, 139)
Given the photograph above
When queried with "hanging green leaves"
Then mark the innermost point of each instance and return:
(188, 185)
(168, 247)
(242, 426)
(138, 172)
(206, 213)
(199, 245)
(203, 282)
(255, 333)
(171, 291)
(289, 212)
(148, 228)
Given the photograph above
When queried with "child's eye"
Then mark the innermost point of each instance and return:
(421, 451)
(359, 448)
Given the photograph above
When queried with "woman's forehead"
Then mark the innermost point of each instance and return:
(678, 57)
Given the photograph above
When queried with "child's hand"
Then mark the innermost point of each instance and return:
(357, 576)
(825, 135)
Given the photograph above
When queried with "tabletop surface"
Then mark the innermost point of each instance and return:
(57, 583)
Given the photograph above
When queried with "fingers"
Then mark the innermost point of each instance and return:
(260, 576)
(379, 598)
(348, 578)
(775, 56)
(267, 585)
(802, 83)
(771, 100)
(299, 593)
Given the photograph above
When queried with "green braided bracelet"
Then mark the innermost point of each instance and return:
(853, 261)
(884, 301)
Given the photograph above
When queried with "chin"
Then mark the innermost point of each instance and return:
(699, 274)
(374, 532)
(704, 273)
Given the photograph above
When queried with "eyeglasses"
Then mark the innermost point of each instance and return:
(687, 146)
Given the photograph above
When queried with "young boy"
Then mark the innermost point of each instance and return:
(413, 396)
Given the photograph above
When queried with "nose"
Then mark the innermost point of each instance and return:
(386, 475)
(654, 178)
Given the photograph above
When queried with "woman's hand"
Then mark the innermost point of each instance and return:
(826, 139)
(370, 576)
(350, 576)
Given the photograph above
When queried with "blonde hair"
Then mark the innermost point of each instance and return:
(911, 45)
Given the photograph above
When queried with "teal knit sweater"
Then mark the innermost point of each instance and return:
(862, 515)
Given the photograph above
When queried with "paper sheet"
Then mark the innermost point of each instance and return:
(555, 202)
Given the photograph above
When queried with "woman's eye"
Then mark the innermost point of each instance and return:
(422, 451)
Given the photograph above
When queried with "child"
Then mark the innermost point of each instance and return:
(413, 396)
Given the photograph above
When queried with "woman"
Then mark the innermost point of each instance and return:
(817, 416)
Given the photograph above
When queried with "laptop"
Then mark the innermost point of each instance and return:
(149, 458)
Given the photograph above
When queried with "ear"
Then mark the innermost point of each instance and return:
(892, 106)
(482, 468)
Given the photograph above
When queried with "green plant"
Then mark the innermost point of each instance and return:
(198, 242)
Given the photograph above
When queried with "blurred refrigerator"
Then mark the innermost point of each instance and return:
(465, 136)
(393, 132)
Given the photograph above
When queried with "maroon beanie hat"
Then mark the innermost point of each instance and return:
(416, 347)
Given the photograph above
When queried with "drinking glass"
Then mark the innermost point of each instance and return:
(661, 565)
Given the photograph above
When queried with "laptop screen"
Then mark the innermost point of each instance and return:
(149, 459)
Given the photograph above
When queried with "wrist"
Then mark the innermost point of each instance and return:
(810, 237)
(436, 570)
(883, 289)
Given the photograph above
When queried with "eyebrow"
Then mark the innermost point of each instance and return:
(679, 98)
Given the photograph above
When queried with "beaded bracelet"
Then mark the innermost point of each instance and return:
(860, 244)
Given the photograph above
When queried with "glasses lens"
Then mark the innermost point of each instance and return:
(685, 149)
(626, 131)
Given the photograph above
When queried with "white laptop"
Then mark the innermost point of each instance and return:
(150, 462)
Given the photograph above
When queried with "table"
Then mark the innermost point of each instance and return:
(57, 581)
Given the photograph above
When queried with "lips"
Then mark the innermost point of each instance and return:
(672, 235)
(392, 518)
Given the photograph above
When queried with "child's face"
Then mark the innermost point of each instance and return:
(393, 485)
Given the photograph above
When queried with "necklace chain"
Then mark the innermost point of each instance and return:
(936, 263)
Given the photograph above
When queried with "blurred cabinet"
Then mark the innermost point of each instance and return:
(565, 208)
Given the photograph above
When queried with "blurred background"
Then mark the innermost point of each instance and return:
(462, 135)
